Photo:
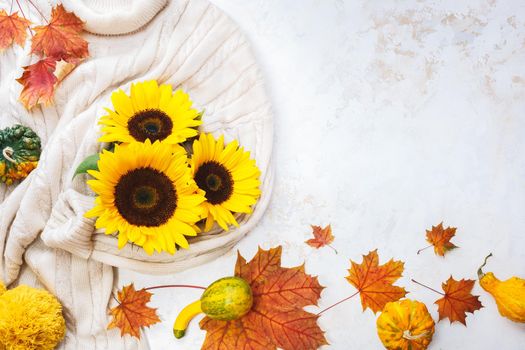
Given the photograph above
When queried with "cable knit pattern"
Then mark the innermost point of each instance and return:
(101, 15)
(44, 237)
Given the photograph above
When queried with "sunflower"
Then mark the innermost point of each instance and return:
(228, 177)
(151, 112)
(146, 194)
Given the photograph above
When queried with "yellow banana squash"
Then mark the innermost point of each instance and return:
(509, 295)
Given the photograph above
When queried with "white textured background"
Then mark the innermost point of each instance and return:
(390, 116)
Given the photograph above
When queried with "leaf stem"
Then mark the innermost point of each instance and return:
(165, 286)
(24, 15)
(339, 302)
(427, 287)
(11, 8)
(38, 10)
(21, 9)
(420, 250)
(335, 250)
(175, 286)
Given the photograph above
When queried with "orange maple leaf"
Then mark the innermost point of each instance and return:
(132, 312)
(457, 300)
(60, 38)
(374, 282)
(322, 237)
(13, 29)
(440, 238)
(277, 318)
(39, 82)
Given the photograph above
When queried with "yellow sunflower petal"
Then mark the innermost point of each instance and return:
(209, 222)
(150, 112)
(165, 93)
(181, 241)
(132, 181)
(122, 240)
(228, 177)
(138, 98)
(151, 94)
(122, 103)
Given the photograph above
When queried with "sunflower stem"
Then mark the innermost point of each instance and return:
(339, 302)
(175, 286)
(427, 287)
(420, 250)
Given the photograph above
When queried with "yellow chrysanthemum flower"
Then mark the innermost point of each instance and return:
(228, 177)
(146, 194)
(30, 319)
(151, 112)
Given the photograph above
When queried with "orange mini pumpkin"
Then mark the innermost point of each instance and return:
(405, 325)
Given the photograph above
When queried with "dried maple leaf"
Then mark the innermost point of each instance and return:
(322, 237)
(440, 237)
(39, 82)
(277, 318)
(374, 282)
(457, 300)
(60, 38)
(13, 29)
(132, 312)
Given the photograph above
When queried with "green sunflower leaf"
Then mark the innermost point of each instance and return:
(201, 113)
(90, 163)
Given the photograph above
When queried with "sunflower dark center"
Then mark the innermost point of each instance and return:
(145, 197)
(151, 124)
(216, 181)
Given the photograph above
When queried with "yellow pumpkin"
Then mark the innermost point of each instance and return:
(405, 325)
(509, 295)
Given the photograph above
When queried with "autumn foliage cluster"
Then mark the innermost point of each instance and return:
(57, 44)
(277, 318)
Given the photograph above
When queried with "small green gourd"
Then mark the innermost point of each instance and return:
(20, 149)
(226, 299)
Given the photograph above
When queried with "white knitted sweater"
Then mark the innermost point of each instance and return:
(44, 239)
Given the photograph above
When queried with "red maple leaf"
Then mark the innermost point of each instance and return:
(277, 318)
(132, 312)
(322, 237)
(60, 38)
(39, 82)
(374, 282)
(457, 300)
(13, 29)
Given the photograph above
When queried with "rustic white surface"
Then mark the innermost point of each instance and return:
(390, 116)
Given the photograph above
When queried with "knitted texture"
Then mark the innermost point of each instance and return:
(44, 237)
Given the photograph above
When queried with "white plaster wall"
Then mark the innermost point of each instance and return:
(390, 117)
